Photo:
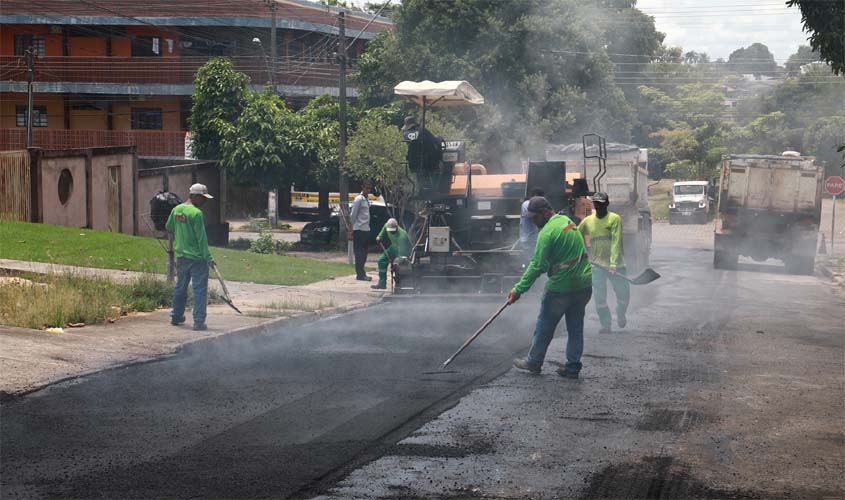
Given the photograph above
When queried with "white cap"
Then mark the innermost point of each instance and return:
(392, 225)
(200, 189)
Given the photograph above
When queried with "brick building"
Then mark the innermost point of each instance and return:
(120, 72)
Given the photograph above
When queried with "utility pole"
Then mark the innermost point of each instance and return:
(341, 152)
(30, 64)
(273, 46)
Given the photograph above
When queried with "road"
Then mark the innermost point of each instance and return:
(725, 384)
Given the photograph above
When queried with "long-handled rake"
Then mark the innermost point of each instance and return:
(226, 297)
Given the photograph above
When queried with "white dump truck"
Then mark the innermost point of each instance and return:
(769, 207)
(626, 184)
(690, 202)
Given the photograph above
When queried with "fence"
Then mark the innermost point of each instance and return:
(15, 186)
(149, 142)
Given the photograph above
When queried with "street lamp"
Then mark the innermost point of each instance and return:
(257, 41)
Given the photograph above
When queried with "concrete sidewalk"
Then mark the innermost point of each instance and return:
(31, 359)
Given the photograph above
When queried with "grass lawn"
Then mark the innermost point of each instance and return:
(105, 250)
(659, 197)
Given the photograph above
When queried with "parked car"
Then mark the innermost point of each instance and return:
(690, 202)
(321, 234)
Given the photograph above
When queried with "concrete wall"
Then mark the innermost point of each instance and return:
(73, 213)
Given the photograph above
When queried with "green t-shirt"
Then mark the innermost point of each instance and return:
(188, 225)
(605, 239)
(558, 243)
(398, 240)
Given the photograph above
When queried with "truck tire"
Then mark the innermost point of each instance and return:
(725, 260)
(805, 265)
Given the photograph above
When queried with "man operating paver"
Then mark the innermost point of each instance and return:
(360, 215)
(560, 252)
(398, 245)
(603, 233)
(193, 258)
(527, 230)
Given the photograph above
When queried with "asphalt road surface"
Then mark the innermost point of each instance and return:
(754, 357)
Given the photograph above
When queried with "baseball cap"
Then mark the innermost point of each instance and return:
(410, 122)
(200, 189)
(392, 225)
(537, 204)
(599, 197)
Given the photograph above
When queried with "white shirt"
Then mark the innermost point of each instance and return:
(360, 214)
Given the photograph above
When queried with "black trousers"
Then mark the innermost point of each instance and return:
(360, 240)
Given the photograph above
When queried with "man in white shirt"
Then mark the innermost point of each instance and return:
(360, 216)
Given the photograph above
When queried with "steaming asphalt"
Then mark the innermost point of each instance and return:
(292, 413)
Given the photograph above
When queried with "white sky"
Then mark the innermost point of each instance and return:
(718, 28)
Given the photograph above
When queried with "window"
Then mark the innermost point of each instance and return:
(39, 116)
(146, 118)
(24, 42)
(65, 186)
(146, 46)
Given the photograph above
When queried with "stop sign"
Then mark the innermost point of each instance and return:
(834, 185)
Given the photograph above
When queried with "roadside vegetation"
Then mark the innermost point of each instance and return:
(29, 300)
(659, 197)
(104, 250)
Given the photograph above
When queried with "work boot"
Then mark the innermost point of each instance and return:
(379, 286)
(177, 321)
(566, 372)
(200, 327)
(605, 329)
(621, 320)
(522, 364)
(364, 278)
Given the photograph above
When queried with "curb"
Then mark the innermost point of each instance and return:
(836, 278)
(258, 330)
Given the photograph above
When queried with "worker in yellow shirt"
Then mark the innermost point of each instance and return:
(603, 233)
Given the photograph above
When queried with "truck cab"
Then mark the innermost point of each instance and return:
(690, 202)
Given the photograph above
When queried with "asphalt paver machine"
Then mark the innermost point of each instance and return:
(466, 236)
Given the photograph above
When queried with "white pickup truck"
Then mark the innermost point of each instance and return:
(690, 202)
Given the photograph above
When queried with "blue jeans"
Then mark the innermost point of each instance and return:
(196, 271)
(552, 309)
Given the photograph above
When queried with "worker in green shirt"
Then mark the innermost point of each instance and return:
(603, 233)
(560, 252)
(397, 245)
(190, 242)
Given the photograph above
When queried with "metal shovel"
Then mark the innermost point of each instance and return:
(643, 278)
(226, 297)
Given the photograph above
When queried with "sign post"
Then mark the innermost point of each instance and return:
(833, 185)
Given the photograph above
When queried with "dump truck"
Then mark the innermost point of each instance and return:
(624, 177)
(769, 207)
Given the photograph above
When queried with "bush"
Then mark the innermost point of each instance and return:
(266, 244)
(240, 244)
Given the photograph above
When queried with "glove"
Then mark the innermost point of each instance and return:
(211, 263)
(513, 297)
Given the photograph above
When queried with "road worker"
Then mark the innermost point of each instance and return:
(396, 243)
(603, 233)
(560, 252)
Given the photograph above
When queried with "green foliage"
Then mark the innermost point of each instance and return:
(754, 59)
(822, 138)
(825, 22)
(804, 55)
(542, 66)
(266, 244)
(218, 98)
(261, 148)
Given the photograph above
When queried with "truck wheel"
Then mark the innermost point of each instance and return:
(724, 260)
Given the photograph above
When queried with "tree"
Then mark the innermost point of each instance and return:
(219, 95)
(756, 59)
(542, 65)
(804, 55)
(261, 147)
(825, 22)
(821, 139)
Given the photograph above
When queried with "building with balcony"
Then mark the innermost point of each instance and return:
(121, 72)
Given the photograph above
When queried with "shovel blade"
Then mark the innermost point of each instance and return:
(646, 276)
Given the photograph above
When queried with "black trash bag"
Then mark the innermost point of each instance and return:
(160, 207)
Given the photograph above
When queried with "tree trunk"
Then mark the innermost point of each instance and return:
(323, 205)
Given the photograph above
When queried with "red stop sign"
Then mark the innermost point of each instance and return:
(834, 185)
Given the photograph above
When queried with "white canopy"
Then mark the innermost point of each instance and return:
(448, 93)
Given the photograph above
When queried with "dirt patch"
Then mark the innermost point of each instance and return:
(656, 478)
(437, 450)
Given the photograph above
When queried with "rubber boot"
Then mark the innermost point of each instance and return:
(382, 281)
(604, 318)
